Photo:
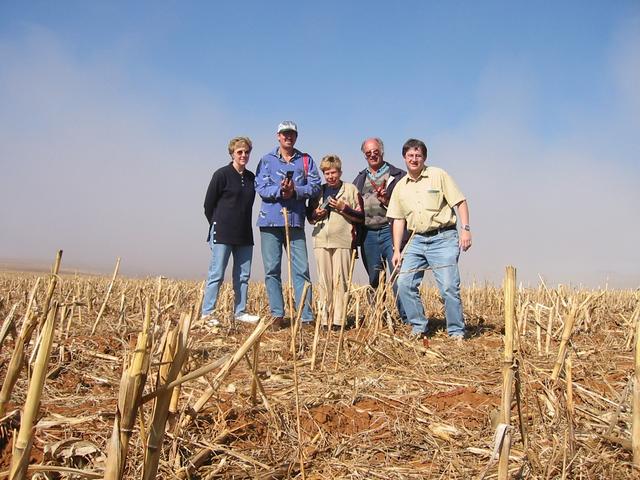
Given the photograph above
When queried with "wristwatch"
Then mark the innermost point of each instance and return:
(466, 227)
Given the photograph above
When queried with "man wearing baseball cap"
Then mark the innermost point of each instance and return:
(285, 178)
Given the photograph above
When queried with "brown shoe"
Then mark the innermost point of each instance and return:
(279, 323)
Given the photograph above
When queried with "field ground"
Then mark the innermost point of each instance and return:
(386, 407)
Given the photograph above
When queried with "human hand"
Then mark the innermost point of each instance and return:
(287, 189)
(320, 213)
(465, 240)
(396, 260)
(338, 205)
(381, 194)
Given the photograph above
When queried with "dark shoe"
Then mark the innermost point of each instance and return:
(309, 325)
(279, 323)
(333, 328)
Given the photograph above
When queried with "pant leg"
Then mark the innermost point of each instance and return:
(217, 265)
(386, 247)
(442, 254)
(325, 275)
(372, 256)
(300, 270)
(271, 241)
(411, 274)
(242, 256)
(340, 261)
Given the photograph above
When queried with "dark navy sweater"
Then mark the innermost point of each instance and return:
(228, 205)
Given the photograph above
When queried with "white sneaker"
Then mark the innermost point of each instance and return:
(210, 321)
(248, 318)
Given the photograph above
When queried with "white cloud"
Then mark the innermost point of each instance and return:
(92, 166)
(104, 165)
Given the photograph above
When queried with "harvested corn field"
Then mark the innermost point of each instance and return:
(136, 386)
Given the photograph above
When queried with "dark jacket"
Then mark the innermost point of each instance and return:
(228, 204)
(394, 172)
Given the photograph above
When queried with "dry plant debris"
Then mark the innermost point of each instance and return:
(386, 408)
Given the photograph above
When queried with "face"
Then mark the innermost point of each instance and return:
(332, 176)
(240, 155)
(373, 154)
(415, 161)
(287, 139)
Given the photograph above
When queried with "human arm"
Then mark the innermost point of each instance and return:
(314, 212)
(465, 235)
(213, 194)
(397, 231)
(354, 215)
(267, 184)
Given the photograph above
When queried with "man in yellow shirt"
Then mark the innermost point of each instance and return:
(424, 200)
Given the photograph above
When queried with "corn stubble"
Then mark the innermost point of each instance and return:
(237, 401)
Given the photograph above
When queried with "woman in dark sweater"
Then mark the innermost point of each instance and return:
(228, 206)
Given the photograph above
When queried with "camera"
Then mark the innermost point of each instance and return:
(325, 204)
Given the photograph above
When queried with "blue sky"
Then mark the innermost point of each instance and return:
(113, 116)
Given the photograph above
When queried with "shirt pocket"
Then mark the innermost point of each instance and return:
(433, 199)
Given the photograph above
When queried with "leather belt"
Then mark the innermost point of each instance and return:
(436, 231)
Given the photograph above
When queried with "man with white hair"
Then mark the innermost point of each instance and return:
(376, 183)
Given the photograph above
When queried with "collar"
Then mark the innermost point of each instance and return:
(277, 153)
(423, 174)
(384, 168)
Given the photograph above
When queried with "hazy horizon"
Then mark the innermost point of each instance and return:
(114, 115)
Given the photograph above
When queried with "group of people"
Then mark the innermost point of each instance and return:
(407, 220)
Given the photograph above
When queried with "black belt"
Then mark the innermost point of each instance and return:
(436, 231)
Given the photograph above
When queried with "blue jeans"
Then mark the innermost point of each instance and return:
(376, 249)
(273, 241)
(220, 254)
(440, 252)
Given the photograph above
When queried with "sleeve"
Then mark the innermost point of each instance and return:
(359, 182)
(396, 179)
(452, 193)
(265, 185)
(312, 187)
(216, 185)
(311, 206)
(395, 209)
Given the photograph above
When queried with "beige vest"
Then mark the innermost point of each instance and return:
(336, 231)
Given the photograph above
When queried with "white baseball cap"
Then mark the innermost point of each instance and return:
(287, 125)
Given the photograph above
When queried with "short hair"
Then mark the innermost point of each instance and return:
(234, 142)
(375, 139)
(331, 161)
(414, 143)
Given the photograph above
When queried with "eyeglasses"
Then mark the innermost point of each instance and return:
(372, 153)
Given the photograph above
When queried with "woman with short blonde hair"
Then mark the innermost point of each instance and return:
(228, 208)
(333, 215)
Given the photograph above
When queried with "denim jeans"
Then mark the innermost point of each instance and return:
(220, 254)
(376, 249)
(273, 241)
(440, 252)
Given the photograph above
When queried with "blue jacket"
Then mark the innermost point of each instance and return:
(271, 170)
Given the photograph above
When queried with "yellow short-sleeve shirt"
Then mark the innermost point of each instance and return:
(426, 203)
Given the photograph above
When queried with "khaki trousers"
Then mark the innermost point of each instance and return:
(333, 270)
